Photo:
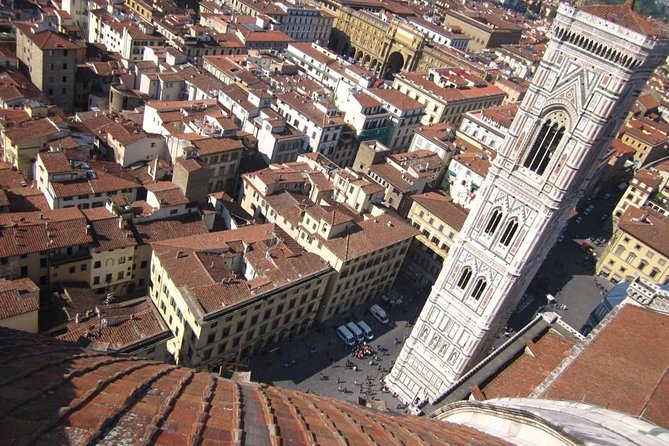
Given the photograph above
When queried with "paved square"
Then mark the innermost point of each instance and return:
(317, 361)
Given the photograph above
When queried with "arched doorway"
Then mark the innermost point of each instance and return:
(394, 64)
(365, 61)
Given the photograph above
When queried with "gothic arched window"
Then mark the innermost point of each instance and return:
(544, 146)
(509, 232)
(465, 276)
(479, 288)
(493, 222)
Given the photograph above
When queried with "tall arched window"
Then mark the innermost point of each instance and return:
(465, 276)
(493, 222)
(509, 232)
(544, 146)
(479, 288)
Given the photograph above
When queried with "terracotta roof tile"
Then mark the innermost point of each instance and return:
(539, 358)
(366, 100)
(55, 162)
(213, 146)
(370, 235)
(198, 263)
(127, 325)
(101, 399)
(442, 206)
(48, 40)
(18, 297)
(107, 232)
(167, 193)
(154, 231)
(27, 232)
(648, 226)
(396, 98)
(624, 367)
(29, 131)
(452, 94)
(648, 178)
(503, 115)
(109, 177)
(624, 15)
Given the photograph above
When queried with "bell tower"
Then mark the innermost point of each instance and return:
(594, 67)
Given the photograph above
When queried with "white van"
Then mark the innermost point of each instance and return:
(359, 335)
(379, 313)
(346, 336)
(366, 329)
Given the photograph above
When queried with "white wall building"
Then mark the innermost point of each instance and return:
(318, 120)
(306, 24)
(487, 128)
(440, 35)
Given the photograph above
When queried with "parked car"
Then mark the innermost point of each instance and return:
(346, 336)
(379, 313)
(366, 329)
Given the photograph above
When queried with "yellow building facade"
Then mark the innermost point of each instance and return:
(639, 247)
(375, 43)
(226, 295)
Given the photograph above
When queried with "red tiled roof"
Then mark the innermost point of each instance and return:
(107, 233)
(366, 100)
(127, 325)
(503, 115)
(396, 98)
(55, 162)
(442, 206)
(624, 15)
(54, 392)
(267, 36)
(49, 40)
(191, 164)
(217, 145)
(167, 193)
(198, 263)
(452, 94)
(370, 236)
(624, 367)
(10, 178)
(26, 199)
(474, 159)
(18, 297)
(646, 131)
(27, 232)
(29, 131)
(648, 226)
(109, 177)
(526, 372)
(149, 232)
(648, 178)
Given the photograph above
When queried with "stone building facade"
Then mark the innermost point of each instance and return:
(592, 71)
